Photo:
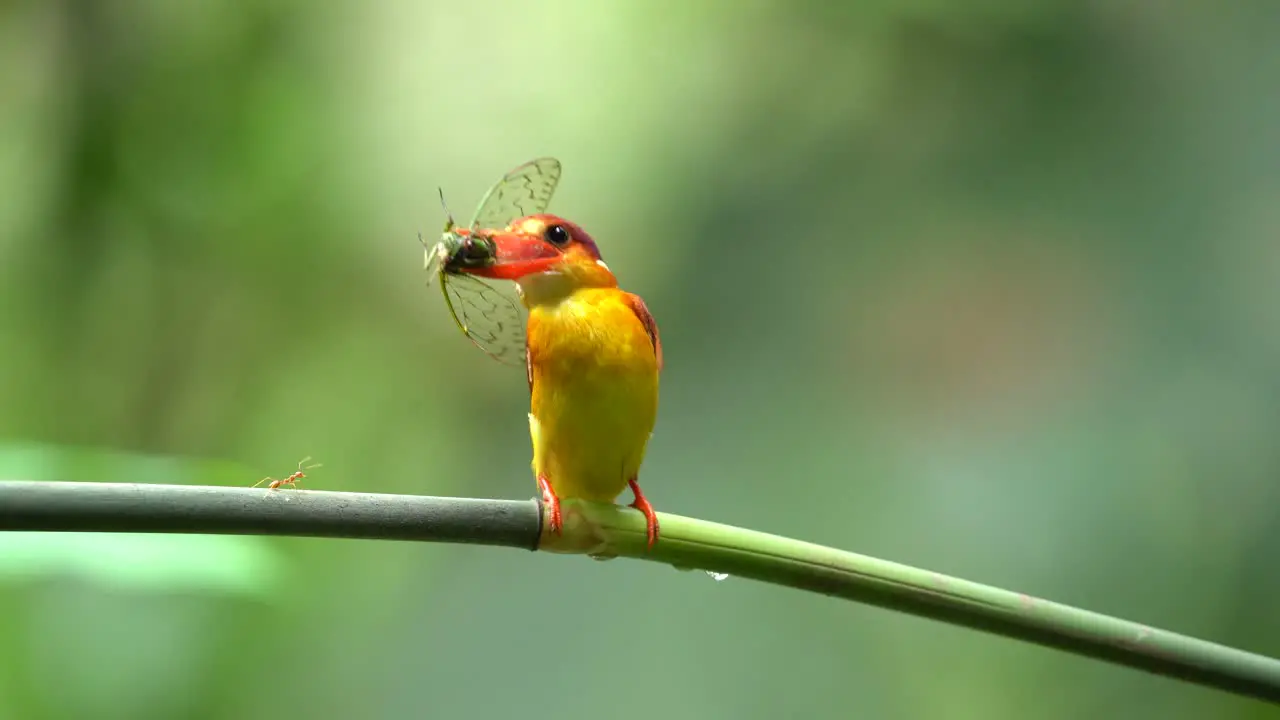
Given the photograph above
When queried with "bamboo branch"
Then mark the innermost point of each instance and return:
(216, 510)
(610, 531)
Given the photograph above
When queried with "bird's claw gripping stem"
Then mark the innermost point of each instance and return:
(555, 521)
(650, 517)
(551, 504)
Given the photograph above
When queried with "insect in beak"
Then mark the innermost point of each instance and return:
(490, 315)
(513, 255)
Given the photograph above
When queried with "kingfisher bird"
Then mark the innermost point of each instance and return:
(592, 358)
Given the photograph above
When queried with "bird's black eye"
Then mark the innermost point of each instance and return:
(557, 235)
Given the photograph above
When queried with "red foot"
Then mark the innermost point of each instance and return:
(650, 517)
(552, 503)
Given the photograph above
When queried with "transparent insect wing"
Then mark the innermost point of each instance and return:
(491, 318)
(526, 190)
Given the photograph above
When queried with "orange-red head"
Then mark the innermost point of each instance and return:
(545, 252)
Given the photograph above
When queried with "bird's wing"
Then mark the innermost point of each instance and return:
(650, 325)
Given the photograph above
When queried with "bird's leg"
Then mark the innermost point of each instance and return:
(650, 517)
(551, 502)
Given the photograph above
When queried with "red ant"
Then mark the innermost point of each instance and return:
(292, 480)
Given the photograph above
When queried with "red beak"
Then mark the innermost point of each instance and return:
(518, 255)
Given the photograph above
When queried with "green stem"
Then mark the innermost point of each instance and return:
(608, 530)
(686, 543)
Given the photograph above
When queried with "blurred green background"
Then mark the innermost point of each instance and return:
(989, 288)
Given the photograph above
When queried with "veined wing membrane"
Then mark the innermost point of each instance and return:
(526, 190)
(489, 316)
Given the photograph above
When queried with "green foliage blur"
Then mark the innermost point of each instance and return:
(989, 288)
